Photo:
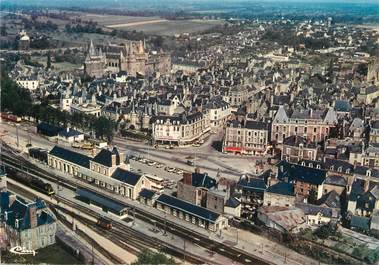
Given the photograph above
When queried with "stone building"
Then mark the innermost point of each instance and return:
(28, 225)
(373, 73)
(131, 57)
(296, 148)
(312, 125)
(248, 137)
(180, 129)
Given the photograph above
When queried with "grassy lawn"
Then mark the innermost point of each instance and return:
(54, 254)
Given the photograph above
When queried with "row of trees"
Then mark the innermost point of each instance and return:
(18, 100)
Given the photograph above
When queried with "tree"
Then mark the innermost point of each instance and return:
(48, 64)
(150, 257)
(3, 30)
(312, 197)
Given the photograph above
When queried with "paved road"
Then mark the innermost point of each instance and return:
(206, 157)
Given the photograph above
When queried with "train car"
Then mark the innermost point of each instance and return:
(38, 153)
(31, 181)
(104, 223)
(10, 117)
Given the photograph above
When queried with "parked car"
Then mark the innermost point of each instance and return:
(159, 165)
(169, 169)
(178, 171)
(151, 163)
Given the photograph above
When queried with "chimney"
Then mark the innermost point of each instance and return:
(272, 180)
(113, 160)
(197, 170)
(187, 178)
(33, 216)
(366, 185)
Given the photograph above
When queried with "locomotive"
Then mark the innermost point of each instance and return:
(31, 181)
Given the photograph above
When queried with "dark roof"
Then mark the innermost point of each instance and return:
(360, 222)
(70, 156)
(336, 180)
(256, 125)
(331, 199)
(232, 202)
(296, 140)
(104, 157)
(187, 207)
(19, 210)
(282, 188)
(252, 184)
(310, 209)
(100, 200)
(342, 105)
(148, 194)
(48, 129)
(203, 180)
(126, 176)
(338, 165)
(362, 170)
(295, 172)
(69, 132)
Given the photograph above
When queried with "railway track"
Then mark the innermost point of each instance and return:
(171, 227)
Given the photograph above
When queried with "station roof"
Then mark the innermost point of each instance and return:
(71, 156)
(110, 204)
(126, 176)
(189, 208)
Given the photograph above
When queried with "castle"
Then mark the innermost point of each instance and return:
(131, 57)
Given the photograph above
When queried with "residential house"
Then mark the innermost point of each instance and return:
(248, 137)
(296, 148)
(28, 225)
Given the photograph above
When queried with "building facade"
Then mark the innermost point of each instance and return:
(28, 225)
(180, 129)
(312, 125)
(249, 137)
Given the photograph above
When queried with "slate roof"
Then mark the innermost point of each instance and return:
(48, 129)
(70, 156)
(252, 184)
(256, 125)
(360, 222)
(338, 165)
(187, 207)
(310, 209)
(148, 194)
(19, 210)
(331, 199)
(336, 180)
(100, 200)
(232, 202)
(295, 172)
(362, 170)
(203, 180)
(342, 106)
(282, 188)
(104, 157)
(126, 176)
(69, 133)
(296, 140)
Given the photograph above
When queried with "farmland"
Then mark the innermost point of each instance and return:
(174, 27)
(151, 25)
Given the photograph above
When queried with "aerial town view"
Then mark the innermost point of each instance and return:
(189, 132)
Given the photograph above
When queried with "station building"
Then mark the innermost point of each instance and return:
(191, 213)
(107, 169)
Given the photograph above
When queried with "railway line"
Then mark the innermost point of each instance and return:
(161, 223)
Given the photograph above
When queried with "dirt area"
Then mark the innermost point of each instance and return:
(172, 27)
